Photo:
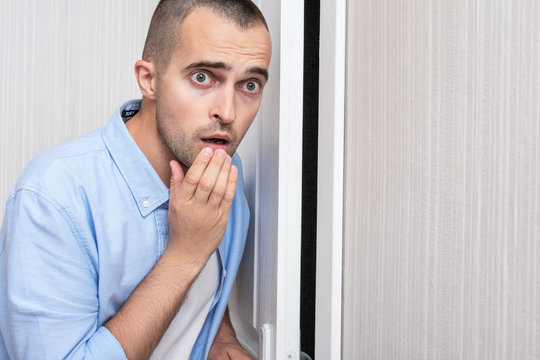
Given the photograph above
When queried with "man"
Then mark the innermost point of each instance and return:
(99, 260)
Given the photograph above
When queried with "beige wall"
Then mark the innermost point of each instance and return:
(442, 189)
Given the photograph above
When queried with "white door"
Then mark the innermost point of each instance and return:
(265, 306)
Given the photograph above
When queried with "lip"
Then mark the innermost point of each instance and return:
(215, 146)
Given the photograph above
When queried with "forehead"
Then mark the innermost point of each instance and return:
(206, 36)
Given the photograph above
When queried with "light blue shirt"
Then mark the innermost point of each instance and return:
(85, 223)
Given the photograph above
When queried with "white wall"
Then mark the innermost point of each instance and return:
(442, 189)
(65, 68)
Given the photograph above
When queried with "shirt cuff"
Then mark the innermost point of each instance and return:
(103, 345)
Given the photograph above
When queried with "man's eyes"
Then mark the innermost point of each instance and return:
(201, 78)
(204, 79)
(251, 86)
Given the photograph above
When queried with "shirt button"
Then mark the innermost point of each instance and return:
(146, 203)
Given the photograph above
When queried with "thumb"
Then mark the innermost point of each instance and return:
(177, 175)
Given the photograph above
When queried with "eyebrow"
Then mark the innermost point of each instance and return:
(221, 65)
(259, 71)
(209, 64)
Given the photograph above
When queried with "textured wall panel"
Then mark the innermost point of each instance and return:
(65, 67)
(442, 190)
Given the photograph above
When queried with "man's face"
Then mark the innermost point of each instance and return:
(212, 88)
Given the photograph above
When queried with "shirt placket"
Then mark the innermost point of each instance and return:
(162, 228)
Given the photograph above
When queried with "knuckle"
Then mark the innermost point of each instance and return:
(191, 179)
(205, 185)
(219, 191)
(228, 197)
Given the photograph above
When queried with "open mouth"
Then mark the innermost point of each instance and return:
(215, 141)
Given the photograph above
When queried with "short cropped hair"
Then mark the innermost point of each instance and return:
(162, 36)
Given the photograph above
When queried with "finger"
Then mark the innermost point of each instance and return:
(193, 175)
(177, 176)
(228, 197)
(209, 176)
(221, 184)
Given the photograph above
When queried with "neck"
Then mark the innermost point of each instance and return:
(143, 129)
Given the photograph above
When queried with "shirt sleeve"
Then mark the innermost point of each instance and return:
(48, 285)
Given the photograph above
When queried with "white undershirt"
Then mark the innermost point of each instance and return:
(178, 340)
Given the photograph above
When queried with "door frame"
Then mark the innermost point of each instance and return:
(328, 306)
(289, 238)
(272, 151)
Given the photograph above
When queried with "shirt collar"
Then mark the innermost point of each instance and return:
(143, 181)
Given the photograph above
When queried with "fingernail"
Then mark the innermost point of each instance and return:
(207, 151)
(227, 159)
(220, 152)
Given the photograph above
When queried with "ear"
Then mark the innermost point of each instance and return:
(145, 72)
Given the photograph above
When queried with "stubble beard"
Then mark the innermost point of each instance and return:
(178, 143)
(183, 147)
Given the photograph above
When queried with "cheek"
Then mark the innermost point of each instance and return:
(250, 110)
(246, 121)
(183, 105)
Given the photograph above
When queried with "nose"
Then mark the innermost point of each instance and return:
(225, 107)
